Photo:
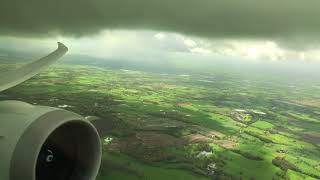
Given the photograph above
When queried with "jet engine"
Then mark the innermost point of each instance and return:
(45, 143)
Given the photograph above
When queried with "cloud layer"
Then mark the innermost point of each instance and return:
(150, 45)
(296, 20)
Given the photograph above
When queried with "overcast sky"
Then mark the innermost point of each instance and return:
(248, 29)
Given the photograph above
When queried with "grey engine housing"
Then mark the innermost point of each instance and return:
(45, 143)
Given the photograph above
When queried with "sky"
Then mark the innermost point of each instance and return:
(273, 30)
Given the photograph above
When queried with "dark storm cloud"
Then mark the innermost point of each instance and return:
(206, 18)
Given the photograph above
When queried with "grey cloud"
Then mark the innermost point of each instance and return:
(266, 19)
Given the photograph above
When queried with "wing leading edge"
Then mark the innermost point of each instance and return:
(12, 78)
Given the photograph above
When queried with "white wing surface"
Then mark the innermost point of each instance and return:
(12, 78)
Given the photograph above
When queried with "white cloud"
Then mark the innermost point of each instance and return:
(253, 50)
(189, 42)
(160, 36)
(200, 50)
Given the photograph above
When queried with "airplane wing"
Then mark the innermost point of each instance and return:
(12, 78)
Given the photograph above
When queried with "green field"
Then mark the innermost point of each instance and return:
(213, 125)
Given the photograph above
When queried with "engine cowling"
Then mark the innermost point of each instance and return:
(45, 143)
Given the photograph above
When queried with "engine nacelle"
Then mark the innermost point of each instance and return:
(45, 143)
